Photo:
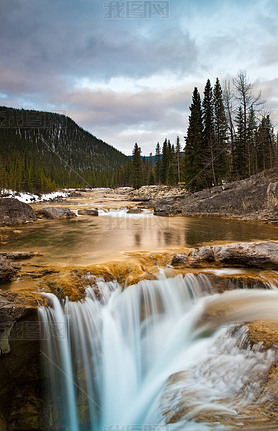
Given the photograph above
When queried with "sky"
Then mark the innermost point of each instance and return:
(125, 70)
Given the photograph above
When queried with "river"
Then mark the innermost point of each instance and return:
(85, 240)
(166, 354)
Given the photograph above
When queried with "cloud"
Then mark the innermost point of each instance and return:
(137, 75)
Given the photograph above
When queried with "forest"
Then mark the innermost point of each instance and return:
(230, 136)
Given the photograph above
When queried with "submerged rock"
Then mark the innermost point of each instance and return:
(13, 212)
(55, 213)
(90, 212)
(134, 211)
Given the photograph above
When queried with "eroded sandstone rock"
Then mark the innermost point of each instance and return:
(249, 255)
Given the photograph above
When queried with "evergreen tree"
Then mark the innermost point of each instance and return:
(251, 142)
(136, 172)
(266, 152)
(164, 162)
(240, 165)
(209, 147)
(193, 158)
(151, 180)
(171, 169)
(220, 132)
(178, 158)
(158, 163)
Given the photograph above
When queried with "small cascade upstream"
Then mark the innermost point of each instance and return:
(124, 213)
(108, 359)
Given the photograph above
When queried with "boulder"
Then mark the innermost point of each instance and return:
(167, 207)
(256, 255)
(55, 212)
(179, 259)
(89, 212)
(13, 212)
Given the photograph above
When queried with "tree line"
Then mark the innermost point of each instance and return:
(229, 137)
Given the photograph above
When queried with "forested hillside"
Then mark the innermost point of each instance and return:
(40, 151)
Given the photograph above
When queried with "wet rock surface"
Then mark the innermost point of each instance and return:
(21, 397)
(13, 212)
(7, 270)
(90, 212)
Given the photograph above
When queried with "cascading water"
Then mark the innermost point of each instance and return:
(108, 358)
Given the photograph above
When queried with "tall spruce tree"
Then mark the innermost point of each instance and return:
(171, 169)
(136, 173)
(158, 164)
(240, 165)
(220, 132)
(266, 151)
(193, 157)
(164, 161)
(251, 142)
(178, 158)
(209, 150)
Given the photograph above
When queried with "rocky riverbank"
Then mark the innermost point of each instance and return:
(254, 198)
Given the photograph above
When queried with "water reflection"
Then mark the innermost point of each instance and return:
(137, 238)
(85, 240)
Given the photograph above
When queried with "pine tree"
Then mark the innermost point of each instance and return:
(136, 172)
(266, 152)
(158, 163)
(171, 168)
(164, 162)
(193, 158)
(178, 158)
(209, 150)
(240, 165)
(220, 131)
(251, 142)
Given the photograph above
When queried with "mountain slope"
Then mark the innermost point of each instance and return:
(43, 144)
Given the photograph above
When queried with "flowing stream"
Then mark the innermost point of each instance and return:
(109, 358)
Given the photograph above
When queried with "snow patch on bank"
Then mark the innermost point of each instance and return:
(30, 198)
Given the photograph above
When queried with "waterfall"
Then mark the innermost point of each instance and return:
(109, 358)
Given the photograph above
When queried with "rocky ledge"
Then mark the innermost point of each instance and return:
(254, 198)
(249, 255)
